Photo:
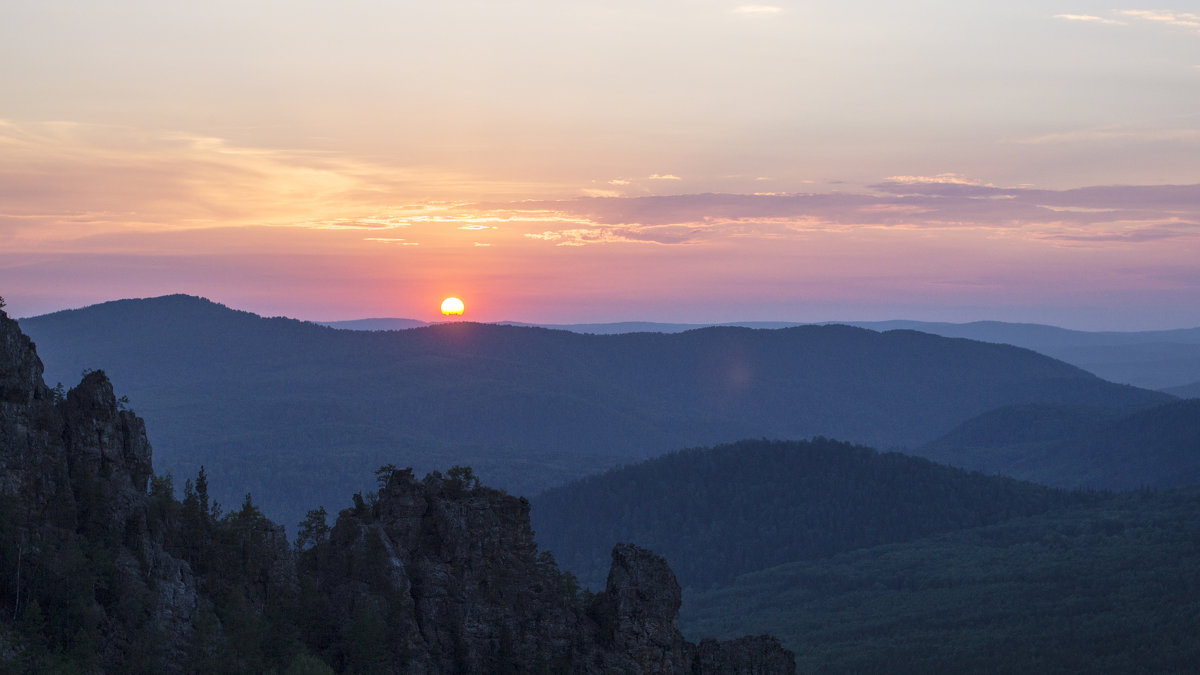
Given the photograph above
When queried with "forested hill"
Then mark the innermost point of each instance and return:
(1074, 447)
(1105, 588)
(283, 408)
(717, 513)
(1155, 359)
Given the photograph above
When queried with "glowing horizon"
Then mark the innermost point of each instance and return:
(695, 162)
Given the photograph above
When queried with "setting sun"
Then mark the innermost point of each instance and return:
(452, 306)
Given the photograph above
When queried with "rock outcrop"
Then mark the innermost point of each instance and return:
(466, 584)
(103, 570)
(74, 470)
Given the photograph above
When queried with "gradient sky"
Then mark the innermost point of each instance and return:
(551, 161)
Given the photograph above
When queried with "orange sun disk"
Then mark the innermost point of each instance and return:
(452, 306)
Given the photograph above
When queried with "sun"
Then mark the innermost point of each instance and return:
(452, 306)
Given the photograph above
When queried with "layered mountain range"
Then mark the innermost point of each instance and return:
(1156, 359)
(283, 408)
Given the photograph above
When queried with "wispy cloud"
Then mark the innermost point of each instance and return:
(392, 240)
(1132, 234)
(358, 224)
(941, 178)
(1182, 19)
(1090, 19)
(663, 176)
(1186, 20)
(60, 181)
(1115, 214)
(609, 235)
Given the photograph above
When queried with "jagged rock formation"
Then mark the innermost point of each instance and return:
(103, 571)
(73, 491)
(462, 579)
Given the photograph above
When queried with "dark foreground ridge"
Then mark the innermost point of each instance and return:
(102, 570)
(461, 574)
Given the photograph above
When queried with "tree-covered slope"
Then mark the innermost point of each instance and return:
(1155, 359)
(1113, 587)
(717, 513)
(283, 408)
(1005, 439)
(1076, 447)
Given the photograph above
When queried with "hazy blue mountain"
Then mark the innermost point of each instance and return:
(1157, 359)
(1021, 334)
(1186, 391)
(1076, 447)
(1105, 588)
(1005, 439)
(1153, 359)
(648, 326)
(719, 512)
(375, 324)
(298, 413)
(613, 328)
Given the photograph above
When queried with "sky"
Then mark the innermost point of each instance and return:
(588, 161)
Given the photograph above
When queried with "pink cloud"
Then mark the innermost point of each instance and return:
(932, 205)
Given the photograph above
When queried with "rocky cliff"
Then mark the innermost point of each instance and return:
(83, 571)
(456, 570)
(103, 570)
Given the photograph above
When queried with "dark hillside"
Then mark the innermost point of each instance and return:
(997, 440)
(1080, 447)
(717, 513)
(1109, 588)
(1158, 447)
(284, 408)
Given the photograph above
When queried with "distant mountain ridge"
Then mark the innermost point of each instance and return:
(1186, 391)
(612, 328)
(987, 331)
(375, 324)
(1156, 359)
(286, 408)
(1074, 447)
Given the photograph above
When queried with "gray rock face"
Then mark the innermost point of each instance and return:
(20, 368)
(642, 599)
(77, 468)
(470, 592)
